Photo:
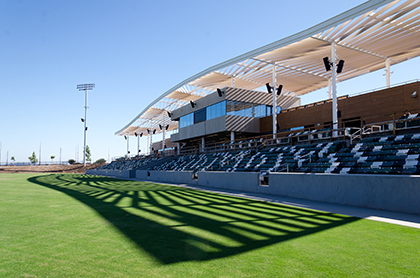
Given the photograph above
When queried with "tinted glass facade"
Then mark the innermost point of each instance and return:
(200, 116)
(186, 120)
(227, 107)
(216, 110)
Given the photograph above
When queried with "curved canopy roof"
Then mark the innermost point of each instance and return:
(365, 37)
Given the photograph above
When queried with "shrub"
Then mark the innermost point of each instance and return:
(100, 161)
(72, 161)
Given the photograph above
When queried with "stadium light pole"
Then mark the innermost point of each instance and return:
(86, 88)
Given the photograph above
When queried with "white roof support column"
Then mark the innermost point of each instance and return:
(148, 145)
(128, 145)
(388, 72)
(334, 90)
(151, 143)
(233, 82)
(202, 144)
(274, 102)
(329, 88)
(138, 143)
(163, 132)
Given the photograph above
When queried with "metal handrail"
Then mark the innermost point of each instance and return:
(356, 134)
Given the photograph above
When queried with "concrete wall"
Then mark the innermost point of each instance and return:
(242, 124)
(387, 192)
(216, 125)
(169, 176)
(126, 174)
(234, 181)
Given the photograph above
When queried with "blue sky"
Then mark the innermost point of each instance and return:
(133, 51)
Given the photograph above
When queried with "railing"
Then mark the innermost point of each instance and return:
(303, 157)
(385, 87)
(282, 167)
(355, 135)
(308, 135)
(280, 139)
(394, 126)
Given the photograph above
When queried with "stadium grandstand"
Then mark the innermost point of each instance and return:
(240, 124)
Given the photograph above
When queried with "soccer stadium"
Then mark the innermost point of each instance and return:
(240, 125)
(246, 180)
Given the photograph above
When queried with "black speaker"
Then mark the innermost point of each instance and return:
(327, 64)
(219, 92)
(279, 89)
(268, 88)
(340, 66)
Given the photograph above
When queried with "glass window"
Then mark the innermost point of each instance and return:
(297, 128)
(244, 109)
(200, 116)
(259, 111)
(230, 107)
(269, 110)
(216, 110)
(236, 108)
(186, 120)
(247, 110)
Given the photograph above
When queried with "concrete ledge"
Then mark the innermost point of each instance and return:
(91, 172)
(166, 176)
(243, 181)
(388, 192)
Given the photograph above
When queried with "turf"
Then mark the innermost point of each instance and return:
(70, 225)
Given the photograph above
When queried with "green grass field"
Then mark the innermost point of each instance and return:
(68, 225)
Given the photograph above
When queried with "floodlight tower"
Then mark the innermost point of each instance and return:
(86, 88)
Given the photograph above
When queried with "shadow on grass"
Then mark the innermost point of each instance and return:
(176, 224)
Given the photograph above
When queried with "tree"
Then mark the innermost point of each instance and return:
(72, 161)
(13, 159)
(52, 158)
(33, 158)
(100, 161)
(88, 156)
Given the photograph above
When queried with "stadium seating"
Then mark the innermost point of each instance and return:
(376, 155)
(128, 163)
